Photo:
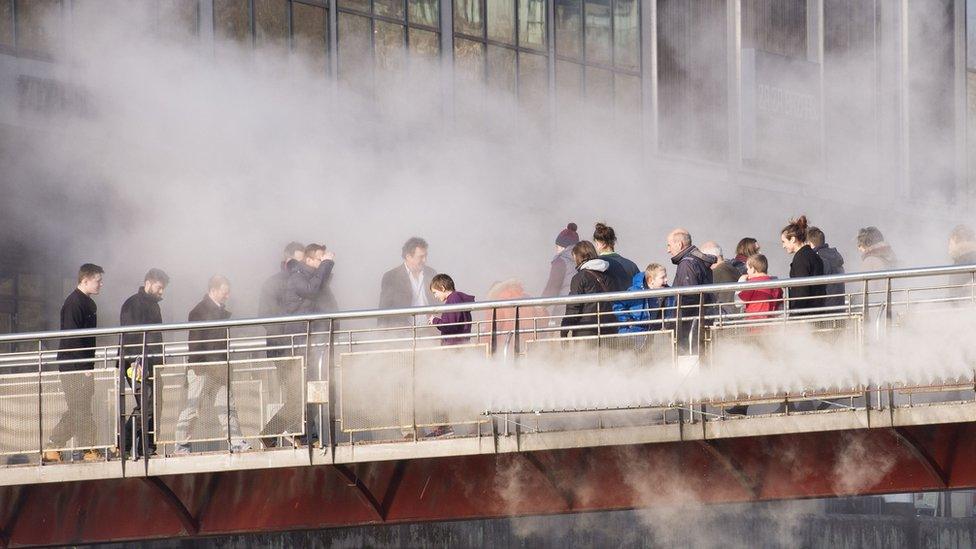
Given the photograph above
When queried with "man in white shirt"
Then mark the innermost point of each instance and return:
(407, 285)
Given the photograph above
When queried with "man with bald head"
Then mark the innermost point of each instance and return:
(693, 268)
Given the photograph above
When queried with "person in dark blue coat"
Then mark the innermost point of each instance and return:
(646, 314)
(694, 268)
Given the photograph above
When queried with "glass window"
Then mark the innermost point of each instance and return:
(231, 19)
(626, 34)
(389, 8)
(357, 5)
(355, 50)
(598, 31)
(179, 17)
(469, 60)
(532, 24)
(271, 23)
(424, 44)
(569, 41)
(424, 12)
(971, 34)
(38, 25)
(501, 20)
(599, 88)
(309, 24)
(6, 24)
(468, 18)
(533, 82)
(569, 85)
(390, 46)
(627, 100)
(501, 69)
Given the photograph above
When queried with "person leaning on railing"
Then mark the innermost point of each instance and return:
(647, 314)
(591, 278)
(79, 312)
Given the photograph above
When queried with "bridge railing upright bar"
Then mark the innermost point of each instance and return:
(265, 362)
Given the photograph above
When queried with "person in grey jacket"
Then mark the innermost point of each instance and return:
(304, 289)
(833, 265)
(562, 267)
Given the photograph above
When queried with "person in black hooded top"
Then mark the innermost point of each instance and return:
(805, 262)
(621, 269)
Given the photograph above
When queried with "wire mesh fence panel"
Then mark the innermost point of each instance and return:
(376, 390)
(79, 409)
(438, 374)
(192, 407)
(638, 348)
(280, 383)
(19, 428)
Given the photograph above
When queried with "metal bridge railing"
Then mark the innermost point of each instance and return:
(331, 379)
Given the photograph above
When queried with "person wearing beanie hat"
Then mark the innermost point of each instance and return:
(562, 268)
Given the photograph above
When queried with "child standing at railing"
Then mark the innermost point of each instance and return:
(759, 301)
(454, 323)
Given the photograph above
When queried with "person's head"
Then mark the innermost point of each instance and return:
(314, 254)
(155, 282)
(604, 238)
(219, 289)
(746, 247)
(584, 251)
(678, 241)
(757, 264)
(962, 240)
(867, 237)
(441, 286)
(90, 278)
(655, 276)
(816, 237)
(566, 237)
(414, 254)
(294, 250)
(712, 248)
(794, 235)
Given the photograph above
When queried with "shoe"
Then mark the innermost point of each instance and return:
(52, 456)
(441, 432)
(269, 442)
(93, 455)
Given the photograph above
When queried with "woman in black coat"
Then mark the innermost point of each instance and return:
(591, 278)
(805, 262)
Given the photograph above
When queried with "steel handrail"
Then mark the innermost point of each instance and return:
(505, 304)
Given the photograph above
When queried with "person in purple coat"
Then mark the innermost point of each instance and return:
(453, 323)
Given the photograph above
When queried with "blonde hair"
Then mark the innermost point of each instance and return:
(758, 262)
(653, 268)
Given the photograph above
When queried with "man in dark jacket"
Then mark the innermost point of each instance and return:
(75, 354)
(694, 268)
(271, 302)
(833, 265)
(307, 284)
(140, 309)
(408, 284)
(208, 381)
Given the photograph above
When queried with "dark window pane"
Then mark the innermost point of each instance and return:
(468, 18)
(598, 31)
(271, 23)
(309, 24)
(532, 24)
(569, 41)
(533, 82)
(424, 12)
(424, 44)
(469, 74)
(358, 5)
(501, 20)
(626, 34)
(38, 25)
(389, 8)
(179, 18)
(6, 24)
(501, 69)
(355, 51)
(231, 19)
(390, 47)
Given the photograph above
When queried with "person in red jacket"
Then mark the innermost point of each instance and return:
(759, 302)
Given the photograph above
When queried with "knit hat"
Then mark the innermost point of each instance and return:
(567, 237)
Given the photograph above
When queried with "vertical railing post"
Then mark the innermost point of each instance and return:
(332, 392)
(40, 397)
(700, 332)
(230, 442)
(142, 402)
(307, 423)
(678, 328)
(493, 340)
(516, 335)
(887, 318)
(120, 417)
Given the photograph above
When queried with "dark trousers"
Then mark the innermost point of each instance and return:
(76, 421)
(136, 418)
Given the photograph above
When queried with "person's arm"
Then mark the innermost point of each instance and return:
(684, 275)
(449, 323)
(557, 273)
(573, 310)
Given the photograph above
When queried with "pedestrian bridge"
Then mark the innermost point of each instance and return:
(351, 424)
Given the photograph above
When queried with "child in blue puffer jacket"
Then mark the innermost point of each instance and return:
(643, 312)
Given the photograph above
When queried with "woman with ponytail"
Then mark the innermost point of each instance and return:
(805, 262)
